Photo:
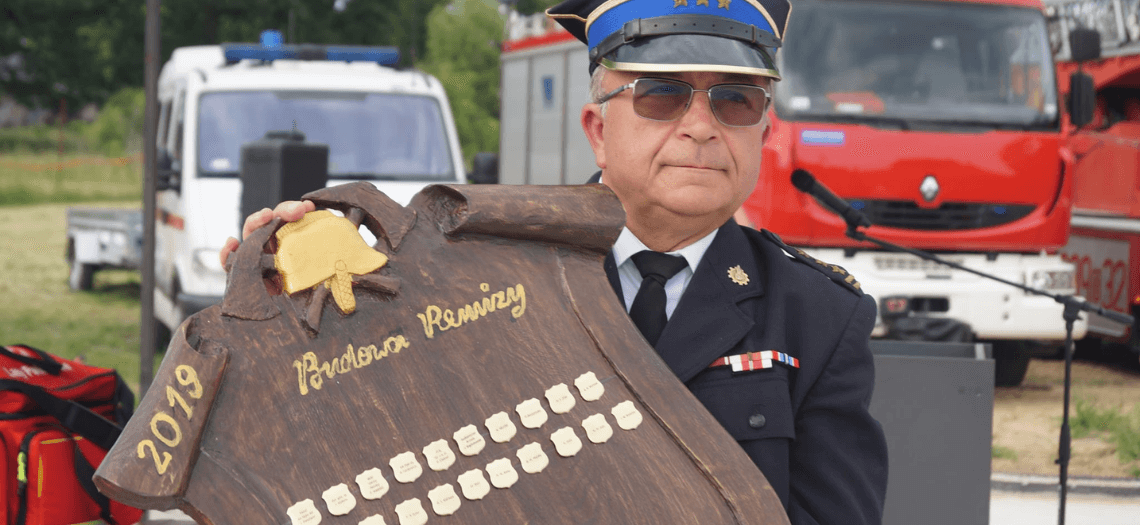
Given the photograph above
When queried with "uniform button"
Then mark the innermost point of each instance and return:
(756, 421)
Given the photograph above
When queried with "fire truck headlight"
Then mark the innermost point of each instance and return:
(1052, 280)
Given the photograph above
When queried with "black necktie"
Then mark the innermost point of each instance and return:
(648, 310)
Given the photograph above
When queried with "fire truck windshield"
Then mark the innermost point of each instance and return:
(371, 136)
(917, 64)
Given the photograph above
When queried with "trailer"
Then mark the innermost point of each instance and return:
(101, 238)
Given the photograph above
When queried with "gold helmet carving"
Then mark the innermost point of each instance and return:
(324, 248)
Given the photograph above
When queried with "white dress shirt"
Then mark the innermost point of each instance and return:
(628, 244)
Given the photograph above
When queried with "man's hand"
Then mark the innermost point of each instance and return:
(287, 211)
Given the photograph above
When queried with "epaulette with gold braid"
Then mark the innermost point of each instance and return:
(834, 272)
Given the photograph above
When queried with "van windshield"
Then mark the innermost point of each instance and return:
(371, 136)
(918, 62)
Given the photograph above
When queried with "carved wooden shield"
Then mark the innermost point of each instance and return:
(479, 370)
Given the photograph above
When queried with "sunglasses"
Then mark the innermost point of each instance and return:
(664, 100)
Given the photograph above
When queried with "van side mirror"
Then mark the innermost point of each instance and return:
(485, 168)
(169, 172)
(1084, 45)
(1082, 99)
(163, 159)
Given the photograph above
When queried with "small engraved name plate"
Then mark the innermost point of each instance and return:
(405, 467)
(473, 484)
(531, 413)
(589, 387)
(374, 519)
(439, 455)
(501, 427)
(533, 459)
(304, 513)
(469, 440)
(627, 415)
(566, 442)
(372, 484)
(339, 500)
(411, 512)
(444, 500)
(598, 430)
(502, 473)
(560, 398)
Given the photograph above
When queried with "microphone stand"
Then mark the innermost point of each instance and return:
(1073, 306)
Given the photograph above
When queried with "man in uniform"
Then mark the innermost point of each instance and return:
(772, 342)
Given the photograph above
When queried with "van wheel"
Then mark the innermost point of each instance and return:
(161, 337)
(81, 275)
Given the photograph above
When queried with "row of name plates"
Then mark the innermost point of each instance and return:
(406, 468)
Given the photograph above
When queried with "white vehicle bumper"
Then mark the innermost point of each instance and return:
(993, 310)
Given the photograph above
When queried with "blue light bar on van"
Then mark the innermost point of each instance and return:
(385, 56)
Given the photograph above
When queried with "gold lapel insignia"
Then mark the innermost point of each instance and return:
(736, 273)
(322, 248)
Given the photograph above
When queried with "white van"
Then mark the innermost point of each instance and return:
(388, 126)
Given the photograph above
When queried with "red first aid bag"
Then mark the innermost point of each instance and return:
(58, 418)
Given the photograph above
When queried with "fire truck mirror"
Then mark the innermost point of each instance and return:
(1082, 99)
(168, 172)
(1084, 44)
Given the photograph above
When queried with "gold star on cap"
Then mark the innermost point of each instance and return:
(736, 273)
(723, 3)
(679, 3)
(703, 2)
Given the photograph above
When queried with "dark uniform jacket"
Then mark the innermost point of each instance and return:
(808, 429)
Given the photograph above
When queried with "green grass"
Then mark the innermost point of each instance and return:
(999, 452)
(45, 138)
(39, 309)
(1087, 419)
(1127, 437)
(1112, 425)
(40, 178)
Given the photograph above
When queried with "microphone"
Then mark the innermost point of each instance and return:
(804, 182)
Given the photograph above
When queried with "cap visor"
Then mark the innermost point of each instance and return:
(678, 53)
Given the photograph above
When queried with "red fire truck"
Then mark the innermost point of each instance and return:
(1105, 242)
(940, 120)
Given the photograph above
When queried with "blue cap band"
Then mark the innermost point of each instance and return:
(615, 18)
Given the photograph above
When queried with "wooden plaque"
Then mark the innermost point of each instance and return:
(486, 373)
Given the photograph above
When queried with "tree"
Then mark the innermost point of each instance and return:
(464, 40)
(76, 50)
(530, 7)
(397, 23)
(86, 50)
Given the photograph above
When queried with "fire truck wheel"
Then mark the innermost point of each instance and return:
(1011, 361)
